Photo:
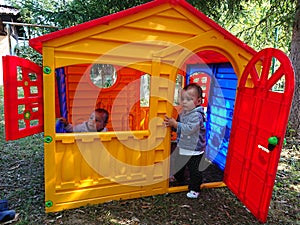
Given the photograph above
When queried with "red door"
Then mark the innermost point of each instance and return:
(23, 97)
(262, 109)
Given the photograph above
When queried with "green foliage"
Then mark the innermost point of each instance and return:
(260, 26)
(27, 52)
(258, 23)
(218, 10)
(254, 22)
(64, 13)
(83, 11)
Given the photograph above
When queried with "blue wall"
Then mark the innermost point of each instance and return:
(220, 108)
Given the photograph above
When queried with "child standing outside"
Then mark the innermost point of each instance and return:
(190, 137)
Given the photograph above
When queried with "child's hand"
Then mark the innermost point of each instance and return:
(170, 122)
(63, 121)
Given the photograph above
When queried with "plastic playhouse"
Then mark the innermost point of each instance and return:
(112, 62)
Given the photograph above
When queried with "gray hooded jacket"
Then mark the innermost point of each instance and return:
(191, 130)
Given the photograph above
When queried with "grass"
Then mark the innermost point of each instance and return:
(22, 184)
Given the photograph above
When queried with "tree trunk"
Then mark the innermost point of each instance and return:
(294, 119)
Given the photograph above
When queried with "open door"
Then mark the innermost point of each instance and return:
(23, 97)
(260, 118)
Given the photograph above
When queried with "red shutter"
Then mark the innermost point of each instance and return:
(23, 97)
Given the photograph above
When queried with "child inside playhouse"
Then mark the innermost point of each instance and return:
(190, 137)
(97, 122)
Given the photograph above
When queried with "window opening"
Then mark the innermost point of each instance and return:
(145, 90)
(20, 91)
(178, 87)
(21, 109)
(33, 90)
(22, 124)
(19, 73)
(32, 76)
(279, 86)
(103, 75)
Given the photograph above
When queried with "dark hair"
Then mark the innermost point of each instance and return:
(101, 110)
(196, 87)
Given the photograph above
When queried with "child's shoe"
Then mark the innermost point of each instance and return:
(192, 194)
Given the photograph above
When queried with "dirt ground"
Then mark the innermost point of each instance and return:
(21, 182)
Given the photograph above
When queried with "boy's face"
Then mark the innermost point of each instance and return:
(189, 99)
(97, 121)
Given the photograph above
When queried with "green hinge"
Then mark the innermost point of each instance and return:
(47, 70)
(48, 139)
(49, 204)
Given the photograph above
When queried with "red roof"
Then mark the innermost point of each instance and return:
(36, 43)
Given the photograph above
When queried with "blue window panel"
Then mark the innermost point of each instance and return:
(227, 83)
(226, 103)
(223, 92)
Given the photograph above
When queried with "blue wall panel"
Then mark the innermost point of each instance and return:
(220, 108)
